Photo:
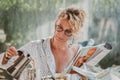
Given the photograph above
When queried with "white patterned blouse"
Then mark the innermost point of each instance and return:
(40, 51)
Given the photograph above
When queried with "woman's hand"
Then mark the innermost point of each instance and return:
(10, 52)
(79, 62)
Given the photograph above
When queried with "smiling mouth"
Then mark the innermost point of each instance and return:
(60, 39)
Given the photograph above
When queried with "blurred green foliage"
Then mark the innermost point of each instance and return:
(20, 18)
(106, 23)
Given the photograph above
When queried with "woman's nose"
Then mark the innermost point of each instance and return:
(62, 33)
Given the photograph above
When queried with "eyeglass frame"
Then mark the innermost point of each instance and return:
(67, 32)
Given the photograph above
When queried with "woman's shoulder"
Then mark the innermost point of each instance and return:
(32, 45)
(38, 41)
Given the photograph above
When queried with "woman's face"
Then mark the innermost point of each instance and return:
(62, 30)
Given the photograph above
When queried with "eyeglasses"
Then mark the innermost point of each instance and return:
(67, 32)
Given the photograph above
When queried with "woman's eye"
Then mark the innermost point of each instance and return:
(59, 28)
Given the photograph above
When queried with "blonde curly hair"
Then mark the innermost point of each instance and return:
(75, 16)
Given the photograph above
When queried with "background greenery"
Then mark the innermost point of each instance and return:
(25, 20)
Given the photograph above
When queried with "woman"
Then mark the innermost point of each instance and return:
(52, 55)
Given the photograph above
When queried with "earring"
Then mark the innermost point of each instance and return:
(71, 40)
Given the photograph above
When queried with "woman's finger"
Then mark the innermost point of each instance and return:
(12, 50)
(7, 54)
(11, 53)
